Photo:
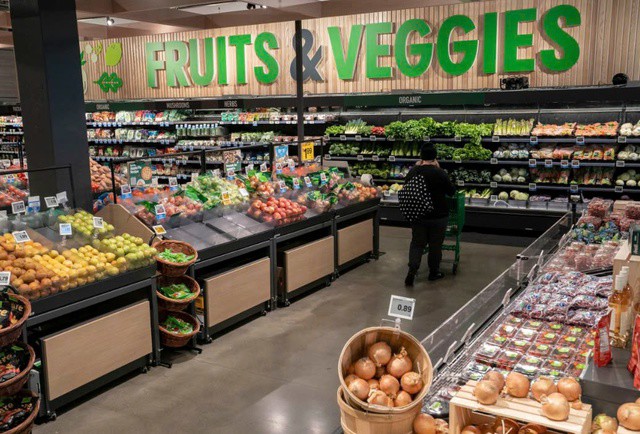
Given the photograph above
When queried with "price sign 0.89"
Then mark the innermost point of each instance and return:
(21, 236)
(5, 278)
(402, 307)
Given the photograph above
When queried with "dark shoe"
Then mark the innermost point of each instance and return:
(408, 281)
(436, 276)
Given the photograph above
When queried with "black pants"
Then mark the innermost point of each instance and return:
(425, 232)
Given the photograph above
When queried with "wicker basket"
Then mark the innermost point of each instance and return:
(356, 421)
(174, 340)
(26, 426)
(357, 347)
(12, 333)
(171, 268)
(14, 385)
(167, 303)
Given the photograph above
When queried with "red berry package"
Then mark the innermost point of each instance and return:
(602, 356)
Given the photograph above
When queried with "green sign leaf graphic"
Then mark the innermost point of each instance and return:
(82, 61)
(109, 82)
(113, 54)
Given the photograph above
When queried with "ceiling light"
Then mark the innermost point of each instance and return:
(110, 21)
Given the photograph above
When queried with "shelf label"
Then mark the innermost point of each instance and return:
(327, 156)
(494, 161)
(457, 160)
(533, 140)
(386, 193)
(575, 164)
(358, 138)
(402, 307)
(263, 167)
(21, 237)
(493, 198)
(33, 204)
(18, 207)
(343, 138)
(307, 182)
(226, 199)
(495, 139)
(98, 222)
(618, 189)
(159, 230)
(564, 164)
(375, 158)
(548, 163)
(620, 163)
(373, 138)
(323, 178)
(62, 197)
(580, 140)
(231, 174)
(161, 213)
(532, 186)
(51, 201)
(426, 139)
(296, 184)
(622, 139)
(457, 139)
(573, 188)
(283, 186)
(5, 278)
(532, 162)
(243, 192)
(392, 158)
(125, 191)
(493, 184)
(278, 167)
(460, 183)
(65, 230)
(360, 157)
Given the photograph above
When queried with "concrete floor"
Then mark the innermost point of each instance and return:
(278, 373)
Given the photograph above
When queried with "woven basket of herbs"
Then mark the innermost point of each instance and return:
(177, 328)
(174, 257)
(176, 292)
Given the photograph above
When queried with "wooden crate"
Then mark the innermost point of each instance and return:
(354, 241)
(308, 263)
(83, 353)
(238, 290)
(464, 404)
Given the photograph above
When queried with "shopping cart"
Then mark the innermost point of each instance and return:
(454, 229)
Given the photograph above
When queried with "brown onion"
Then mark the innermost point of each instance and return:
(349, 378)
(389, 385)
(555, 406)
(543, 386)
(532, 428)
(365, 368)
(570, 388)
(496, 377)
(470, 429)
(604, 422)
(486, 428)
(378, 397)
(517, 385)
(505, 426)
(576, 405)
(380, 371)
(399, 364)
(380, 353)
(442, 426)
(629, 416)
(402, 399)
(411, 382)
(373, 383)
(486, 392)
(359, 388)
(424, 424)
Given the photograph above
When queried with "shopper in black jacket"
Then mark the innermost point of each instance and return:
(430, 228)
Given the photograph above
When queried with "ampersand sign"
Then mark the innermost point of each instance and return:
(309, 64)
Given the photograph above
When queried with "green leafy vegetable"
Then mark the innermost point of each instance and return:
(178, 291)
(177, 258)
(176, 325)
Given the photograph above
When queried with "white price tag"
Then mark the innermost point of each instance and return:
(494, 161)
(173, 182)
(375, 158)
(548, 163)
(263, 167)
(618, 189)
(160, 210)
(65, 229)
(620, 163)
(495, 139)
(5, 278)
(460, 183)
(493, 198)
(564, 164)
(231, 174)
(392, 158)
(532, 186)
(159, 230)
(533, 162)
(125, 191)
(386, 193)
(358, 138)
(98, 222)
(62, 197)
(18, 207)
(243, 192)
(21, 236)
(402, 307)
(493, 184)
(622, 139)
(33, 204)
(575, 164)
(51, 201)
(360, 157)
(296, 183)
(307, 182)
(282, 185)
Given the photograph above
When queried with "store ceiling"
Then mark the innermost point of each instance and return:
(143, 17)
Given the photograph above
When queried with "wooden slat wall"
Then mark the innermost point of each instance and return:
(608, 37)
(8, 80)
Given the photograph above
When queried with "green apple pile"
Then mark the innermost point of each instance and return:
(133, 249)
(82, 222)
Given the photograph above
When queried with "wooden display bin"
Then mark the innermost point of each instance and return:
(354, 241)
(307, 263)
(237, 290)
(464, 409)
(80, 354)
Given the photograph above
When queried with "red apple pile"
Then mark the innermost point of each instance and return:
(278, 211)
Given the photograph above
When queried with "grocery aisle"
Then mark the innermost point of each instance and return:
(277, 374)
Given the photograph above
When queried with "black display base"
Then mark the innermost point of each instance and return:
(607, 387)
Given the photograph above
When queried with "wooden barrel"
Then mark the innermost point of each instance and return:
(357, 347)
(355, 421)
